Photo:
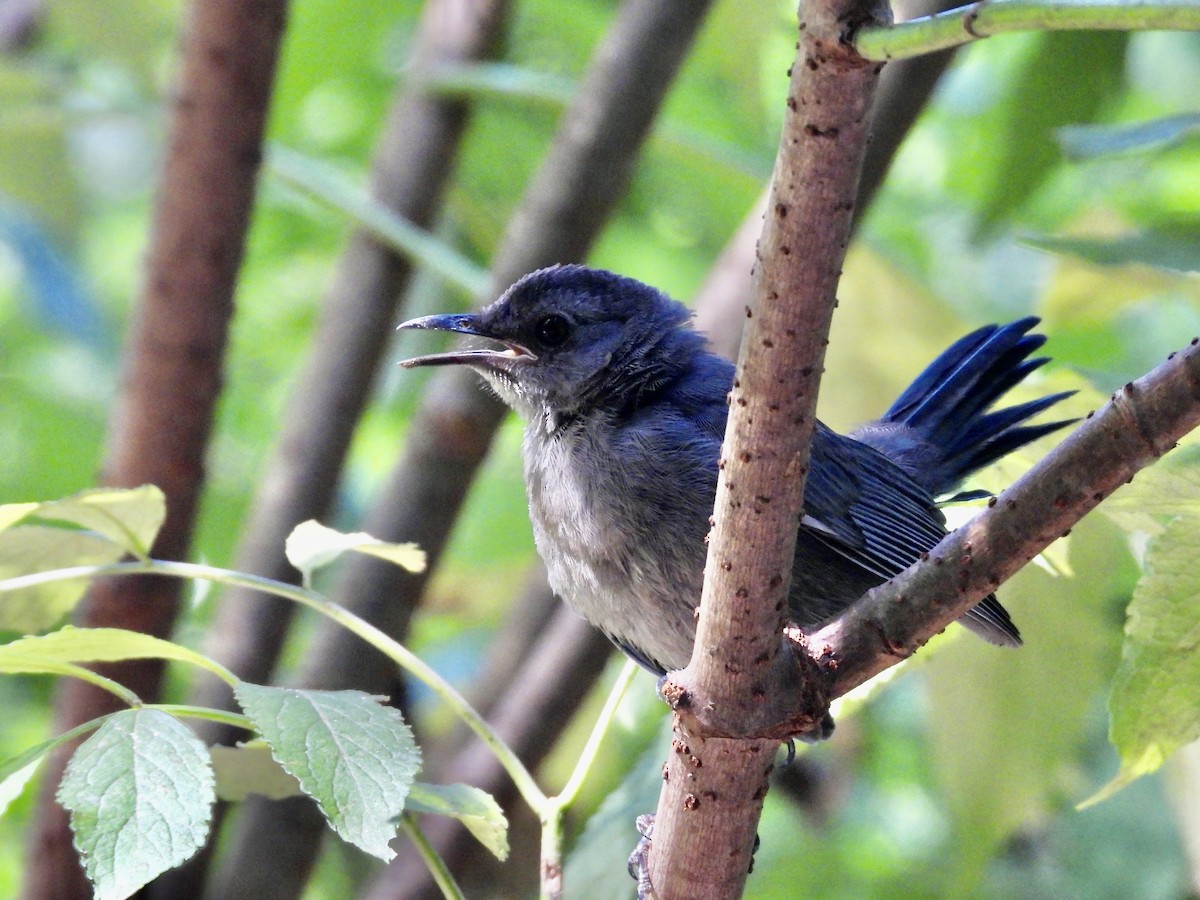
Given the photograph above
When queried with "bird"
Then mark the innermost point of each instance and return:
(625, 408)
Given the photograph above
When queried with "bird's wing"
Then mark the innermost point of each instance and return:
(865, 508)
(869, 511)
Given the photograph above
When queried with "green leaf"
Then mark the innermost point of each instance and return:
(25, 549)
(140, 795)
(1155, 700)
(1176, 251)
(355, 756)
(312, 545)
(1046, 94)
(495, 79)
(320, 180)
(1169, 488)
(15, 664)
(10, 766)
(86, 645)
(475, 808)
(999, 741)
(250, 768)
(12, 785)
(1082, 142)
(129, 517)
(12, 513)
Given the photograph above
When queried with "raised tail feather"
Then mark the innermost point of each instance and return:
(940, 429)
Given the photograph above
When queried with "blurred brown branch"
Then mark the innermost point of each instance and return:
(159, 429)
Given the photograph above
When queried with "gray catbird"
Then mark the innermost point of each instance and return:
(625, 411)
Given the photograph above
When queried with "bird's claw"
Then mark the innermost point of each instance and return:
(639, 868)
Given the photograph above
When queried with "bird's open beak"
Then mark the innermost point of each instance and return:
(465, 323)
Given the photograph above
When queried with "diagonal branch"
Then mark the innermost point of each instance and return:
(1137, 426)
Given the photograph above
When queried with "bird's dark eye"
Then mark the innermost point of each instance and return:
(552, 330)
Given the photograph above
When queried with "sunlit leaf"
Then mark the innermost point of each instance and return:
(140, 795)
(1155, 698)
(355, 756)
(476, 809)
(12, 513)
(312, 545)
(13, 784)
(129, 517)
(25, 549)
(87, 645)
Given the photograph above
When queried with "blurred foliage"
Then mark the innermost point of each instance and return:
(957, 779)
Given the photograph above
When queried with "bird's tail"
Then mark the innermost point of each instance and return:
(940, 429)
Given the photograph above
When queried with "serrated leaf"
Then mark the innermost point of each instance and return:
(251, 769)
(25, 549)
(87, 645)
(355, 756)
(1155, 699)
(140, 795)
(1082, 142)
(129, 517)
(475, 808)
(312, 545)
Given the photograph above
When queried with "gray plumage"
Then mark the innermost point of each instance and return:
(625, 411)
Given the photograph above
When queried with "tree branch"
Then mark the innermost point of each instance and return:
(716, 779)
(990, 17)
(159, 428)
(1137, 426)
(412, 165)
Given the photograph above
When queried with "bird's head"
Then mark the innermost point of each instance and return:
(569, 338)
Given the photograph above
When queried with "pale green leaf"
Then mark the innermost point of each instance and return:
(352, 754)
(319, 179)
(1155, 699)
(19, 664)
(251, 769)
(312, 545)
(991, 719)
(129, 517)
(13, 784)
(87, 645)
(475, 808)
(12, 513)
(25, 549)
(1175, 251)
(1091, 141)
(140, 795)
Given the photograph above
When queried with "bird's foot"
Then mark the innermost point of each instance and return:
(639, 868)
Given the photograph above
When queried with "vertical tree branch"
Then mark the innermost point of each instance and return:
(412, 165)
(715, 779)
(160, 426)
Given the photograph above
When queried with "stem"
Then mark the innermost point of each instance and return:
(437, 868)
(988, 17)
(395, 651)
(182, 710)
(552, 812)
